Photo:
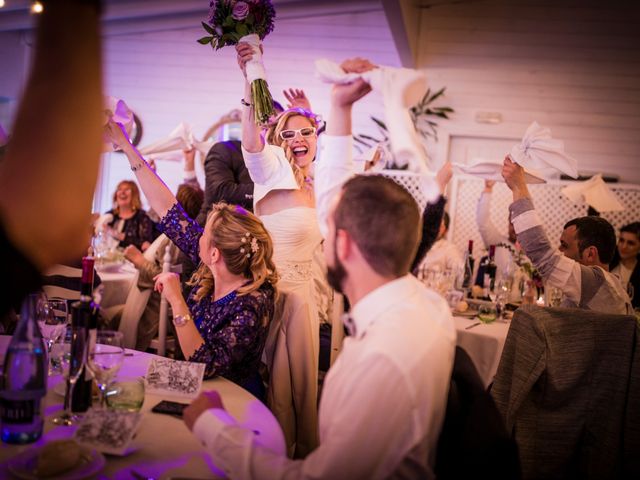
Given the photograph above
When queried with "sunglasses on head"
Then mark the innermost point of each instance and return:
(291, 134)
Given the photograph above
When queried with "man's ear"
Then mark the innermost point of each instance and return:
(590, 255)
(343, 244)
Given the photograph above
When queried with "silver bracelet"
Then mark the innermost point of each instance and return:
(135, 168)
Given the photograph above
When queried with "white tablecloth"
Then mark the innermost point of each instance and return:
(483, 343)
(115, 285)
(165, 447)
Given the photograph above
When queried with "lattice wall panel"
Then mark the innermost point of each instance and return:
(553, 207)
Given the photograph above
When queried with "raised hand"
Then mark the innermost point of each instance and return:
(115, 133)
(513, 175)
(488, 185)
(245, 54)
(444, 176)
(357, 65)
(297, 99)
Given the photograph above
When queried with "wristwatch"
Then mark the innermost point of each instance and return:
(182, 320)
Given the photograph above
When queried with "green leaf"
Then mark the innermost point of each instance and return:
(380, 123)
(205, 40)
(228, 22)
(208, 28)
(242, 29)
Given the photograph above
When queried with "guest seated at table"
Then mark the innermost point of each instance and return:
(142, 307)
(625, 262)
(492, 236)
(225, 319)
(130, 225)
(443, 254)
(581, 267)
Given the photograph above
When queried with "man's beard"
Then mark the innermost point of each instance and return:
(336, 274)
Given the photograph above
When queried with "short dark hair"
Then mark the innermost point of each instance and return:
(384, 221)
(633, 227)
(592, 231)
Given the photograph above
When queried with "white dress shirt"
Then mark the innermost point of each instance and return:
(383, 401)
(443, 255)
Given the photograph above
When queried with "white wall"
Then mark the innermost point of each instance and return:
(573, 66)
(167, 77)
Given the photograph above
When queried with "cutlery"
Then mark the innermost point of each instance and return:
(473, 325)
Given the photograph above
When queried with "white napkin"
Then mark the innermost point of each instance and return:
(181, 138)
(594, 192)
(401, 88)
(120, 112)
(538, 151)
(492, 170)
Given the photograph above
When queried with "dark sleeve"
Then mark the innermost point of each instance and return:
(145, 228)
(221, 181)
(183, 231)
(431, 219)
(23, 276)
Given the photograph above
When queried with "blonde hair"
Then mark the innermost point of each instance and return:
(136, 202)
(229, 226)
(273, 136)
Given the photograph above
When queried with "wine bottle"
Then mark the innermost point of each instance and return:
(490, 271)
(468, 266)
(84, 323)
(24, 380)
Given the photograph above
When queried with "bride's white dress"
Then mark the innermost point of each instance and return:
(293, 345)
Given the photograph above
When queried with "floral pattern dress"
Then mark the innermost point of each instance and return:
(234, 327)
(137, 229)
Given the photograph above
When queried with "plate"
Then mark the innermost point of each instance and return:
(466, 313)
(23, 465)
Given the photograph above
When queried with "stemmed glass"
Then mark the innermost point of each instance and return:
(72, 367)
(105, 358)
(53, 324)
(500, 296)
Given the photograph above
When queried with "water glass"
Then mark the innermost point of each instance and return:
(105, 359)
(126, 394)
(487, 313)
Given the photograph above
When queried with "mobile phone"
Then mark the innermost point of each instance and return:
(170, 408)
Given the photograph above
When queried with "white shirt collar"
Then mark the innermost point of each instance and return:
(366, 311)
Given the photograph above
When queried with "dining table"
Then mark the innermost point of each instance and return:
(116, 280)
(483, 342)
(163, 447)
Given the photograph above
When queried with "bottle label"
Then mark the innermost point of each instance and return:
(19, 411)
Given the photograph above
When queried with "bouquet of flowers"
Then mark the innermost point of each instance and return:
(234, 21)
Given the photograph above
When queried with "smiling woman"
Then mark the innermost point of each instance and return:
(626, 262)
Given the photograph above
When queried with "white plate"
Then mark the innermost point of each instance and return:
(23, 465)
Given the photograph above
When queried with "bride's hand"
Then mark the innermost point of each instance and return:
(116, 134)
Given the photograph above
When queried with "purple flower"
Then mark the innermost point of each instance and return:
(240, 11)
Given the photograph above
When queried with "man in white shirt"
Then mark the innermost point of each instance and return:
(581, 267)
(384, 398)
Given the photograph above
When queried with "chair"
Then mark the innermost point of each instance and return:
(292, 390)
(473, 441)
(161, 343)
(568, 389)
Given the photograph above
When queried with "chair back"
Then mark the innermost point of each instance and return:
(473, 441)
(568, 390)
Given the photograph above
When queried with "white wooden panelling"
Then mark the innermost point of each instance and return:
(572, 66)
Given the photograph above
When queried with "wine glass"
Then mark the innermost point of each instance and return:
(70, 350)
(53, 325)
(105, 359)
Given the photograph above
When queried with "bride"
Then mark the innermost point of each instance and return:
(280, 164)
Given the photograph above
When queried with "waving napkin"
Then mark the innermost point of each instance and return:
(120, 112)
(594, 192)
(492, 170)
(170, 148)
(538, 151)
(401, 88)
